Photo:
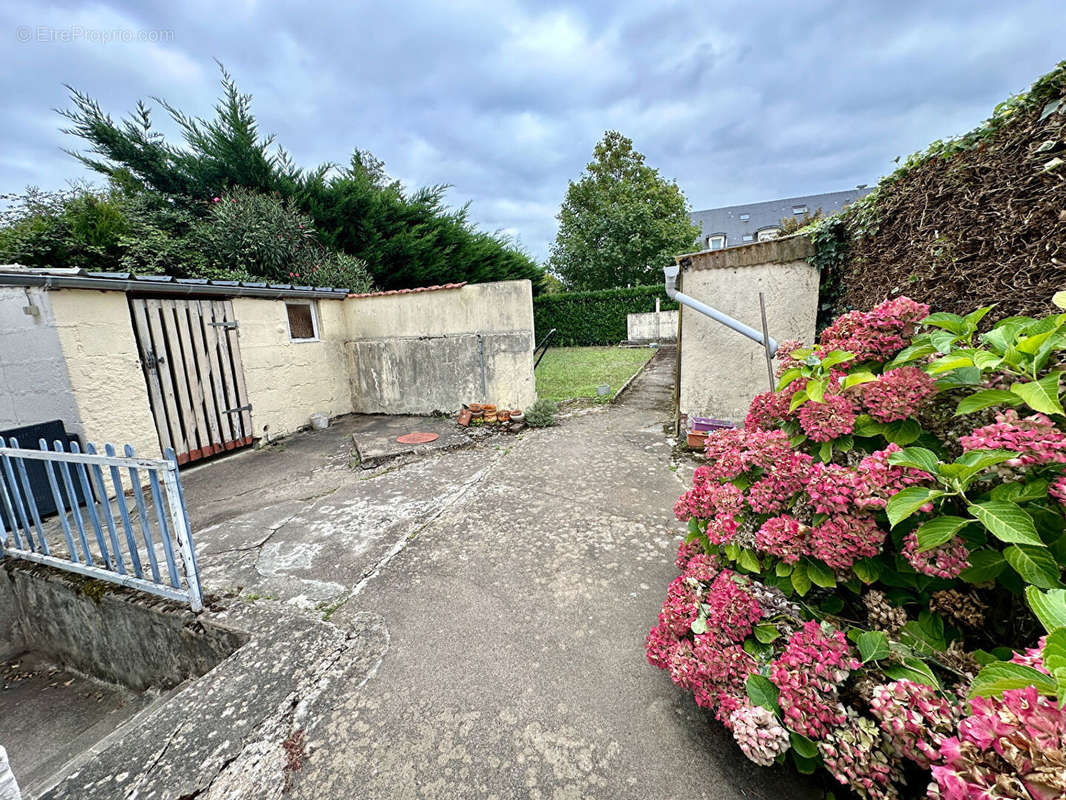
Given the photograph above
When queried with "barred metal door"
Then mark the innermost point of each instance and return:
(191, 358)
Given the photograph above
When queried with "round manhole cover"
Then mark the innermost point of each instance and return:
(418, 437)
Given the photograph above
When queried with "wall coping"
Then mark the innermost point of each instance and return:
(796, 247)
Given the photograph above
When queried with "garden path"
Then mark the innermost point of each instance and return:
(467, 625)
(516, 622)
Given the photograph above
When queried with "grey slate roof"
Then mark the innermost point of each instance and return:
(727, 220)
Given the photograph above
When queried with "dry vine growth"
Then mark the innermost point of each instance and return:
(981, 223)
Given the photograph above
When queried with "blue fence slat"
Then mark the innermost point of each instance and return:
(164, 527)
(105, 511)
(75, 506)
(87, 485)
(16, 497)
(31, 500)
(10, 509)
(90, 506)
(142, 514)
(124, 514)
(60, 509)
(172, 457)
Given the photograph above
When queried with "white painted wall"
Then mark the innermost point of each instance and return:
(289, 380)
(33, 372)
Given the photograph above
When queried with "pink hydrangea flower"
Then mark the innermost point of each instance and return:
(815, 661)
(1058, 489)
(733, 452)
(854, 755)
(767, 410)
(659, 646)
(877, 334)
(783, 537)
(708, 500)
(1009, 747)
(722, 673)
(841, 540)
(784, 355)
(780, 483)
(945, 561)
(914, 719)
(832, 488)
(681, 606)
(701, 567)
(897, 394)
(732, 610)
(685, 551)
(828, 420)
(1036, 439)
(879, 480)
(759, 734)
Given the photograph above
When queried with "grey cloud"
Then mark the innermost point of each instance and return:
(504, 101)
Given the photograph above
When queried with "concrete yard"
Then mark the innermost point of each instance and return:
(469, 623)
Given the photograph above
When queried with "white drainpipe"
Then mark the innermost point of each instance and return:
(671, 274)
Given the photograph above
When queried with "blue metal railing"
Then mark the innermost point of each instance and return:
(149, 547)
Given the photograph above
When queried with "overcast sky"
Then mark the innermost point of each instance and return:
(739, 102)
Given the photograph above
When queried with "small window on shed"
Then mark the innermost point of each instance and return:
(303, 322)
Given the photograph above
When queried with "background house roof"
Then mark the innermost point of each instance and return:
(727, 220)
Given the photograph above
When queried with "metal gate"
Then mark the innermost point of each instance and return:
(192, 364)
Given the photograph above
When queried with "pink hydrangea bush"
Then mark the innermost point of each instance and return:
(805, 616)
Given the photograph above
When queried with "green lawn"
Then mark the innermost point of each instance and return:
(566, 373)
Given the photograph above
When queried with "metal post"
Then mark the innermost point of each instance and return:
(766, 342)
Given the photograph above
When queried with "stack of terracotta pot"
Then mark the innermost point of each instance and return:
(489, 414)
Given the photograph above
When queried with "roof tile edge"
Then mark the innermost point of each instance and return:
(418, 290)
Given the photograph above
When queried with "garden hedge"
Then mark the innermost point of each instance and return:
(872, 583)
(591, 318)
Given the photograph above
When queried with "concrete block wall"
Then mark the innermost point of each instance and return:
(288, 381)
(655, 326)
(721, 371)
(420, 352)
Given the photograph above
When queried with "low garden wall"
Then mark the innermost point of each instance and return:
(430, 351)
(658, 326)
(112, 633)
